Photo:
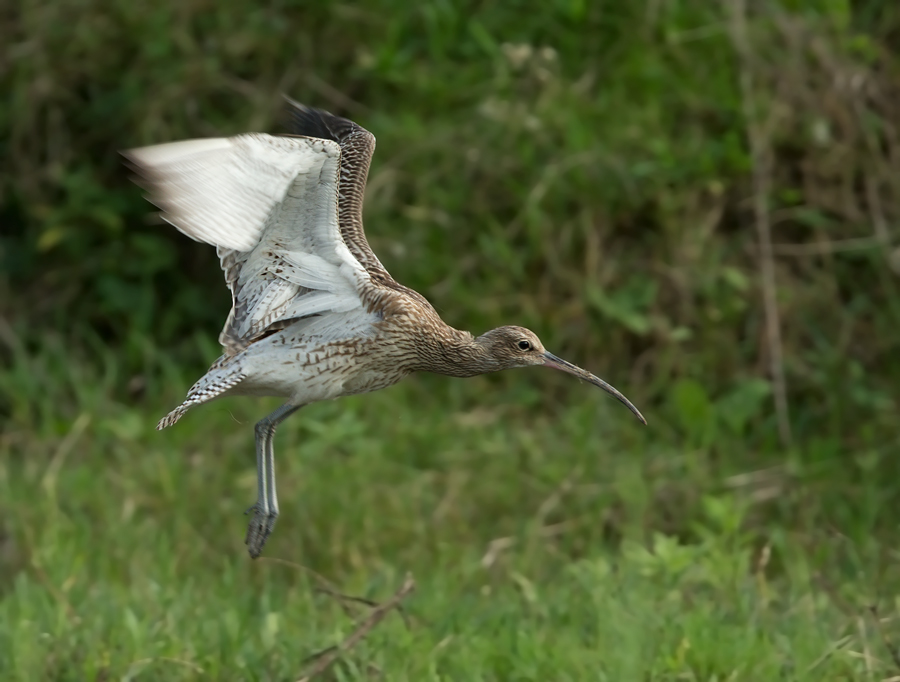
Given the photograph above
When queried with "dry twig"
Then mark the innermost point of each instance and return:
(761, 158)
(326, 587)
(378, 613)
(893, 650)
(827, 247)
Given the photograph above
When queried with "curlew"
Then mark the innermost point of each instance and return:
(315, 315)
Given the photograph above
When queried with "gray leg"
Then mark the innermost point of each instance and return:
(265, 511)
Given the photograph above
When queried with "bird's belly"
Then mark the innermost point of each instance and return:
(366, 381)
(322, 359)
(300, 377)
(306, 375)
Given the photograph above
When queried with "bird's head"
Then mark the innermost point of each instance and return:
(512, 347)
(509, 347)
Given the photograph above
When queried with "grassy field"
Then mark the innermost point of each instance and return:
(561, 542)
(600, 172)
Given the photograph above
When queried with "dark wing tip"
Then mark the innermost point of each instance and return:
(300, 119)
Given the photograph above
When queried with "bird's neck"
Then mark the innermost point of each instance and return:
(455, 353)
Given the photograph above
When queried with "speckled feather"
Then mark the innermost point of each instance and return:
(357, 146)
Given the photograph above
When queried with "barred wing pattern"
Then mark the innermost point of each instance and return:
(270, 206)
(357, 146)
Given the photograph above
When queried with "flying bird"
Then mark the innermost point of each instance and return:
(315, 315)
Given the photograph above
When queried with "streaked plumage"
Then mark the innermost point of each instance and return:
(315, 315)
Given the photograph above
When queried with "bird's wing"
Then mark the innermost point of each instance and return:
(357, 145)
(270, 206)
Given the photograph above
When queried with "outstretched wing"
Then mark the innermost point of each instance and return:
(269, 205)
(357, 146)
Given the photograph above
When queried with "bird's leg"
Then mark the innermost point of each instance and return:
(265, 511)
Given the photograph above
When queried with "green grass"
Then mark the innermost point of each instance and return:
(562, 542)
(581, 168)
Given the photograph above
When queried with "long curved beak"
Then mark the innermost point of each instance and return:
(551, 360)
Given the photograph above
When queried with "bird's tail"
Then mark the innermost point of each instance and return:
(173, 416)
(218, 380)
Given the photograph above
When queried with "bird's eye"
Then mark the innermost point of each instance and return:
(524, 345)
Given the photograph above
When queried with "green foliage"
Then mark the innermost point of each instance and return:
(581, 168)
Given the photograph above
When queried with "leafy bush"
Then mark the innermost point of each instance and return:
(581, 168)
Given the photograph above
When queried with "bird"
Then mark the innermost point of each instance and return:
(315, 315)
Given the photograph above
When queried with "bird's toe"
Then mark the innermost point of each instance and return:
(259, 529)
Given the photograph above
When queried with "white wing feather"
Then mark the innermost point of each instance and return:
(222, 190)
(270, 206)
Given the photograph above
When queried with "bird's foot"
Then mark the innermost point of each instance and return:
(259, 529)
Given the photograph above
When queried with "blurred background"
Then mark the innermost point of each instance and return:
(697, 201)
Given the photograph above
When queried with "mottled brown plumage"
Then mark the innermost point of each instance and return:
(315, 315)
